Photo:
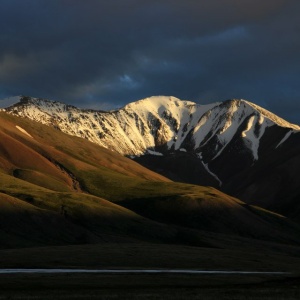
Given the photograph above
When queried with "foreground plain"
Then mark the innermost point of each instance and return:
(148, 287)
(155, 286)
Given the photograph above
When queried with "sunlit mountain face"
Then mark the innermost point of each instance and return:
(235, 145)
(158, 125)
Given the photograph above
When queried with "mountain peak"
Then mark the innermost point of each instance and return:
(158, 101)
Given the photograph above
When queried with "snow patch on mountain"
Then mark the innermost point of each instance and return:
(154, 153)
(252, 138)
(23, 131)
(288, 134)
(272, 117)
(209, 171)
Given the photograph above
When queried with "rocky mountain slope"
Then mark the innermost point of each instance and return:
(229, 145)
(160, 124)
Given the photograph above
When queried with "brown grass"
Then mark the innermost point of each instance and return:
(74, 173)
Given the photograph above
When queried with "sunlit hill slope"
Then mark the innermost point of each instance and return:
(58, 189)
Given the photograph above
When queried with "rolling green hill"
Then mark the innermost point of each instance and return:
(57, 189)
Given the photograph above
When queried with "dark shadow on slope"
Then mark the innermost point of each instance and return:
(206, 214)
(180, 167)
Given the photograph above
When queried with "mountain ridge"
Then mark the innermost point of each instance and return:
(153, 122)
(216, 144)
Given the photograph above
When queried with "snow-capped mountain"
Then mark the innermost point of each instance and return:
(231, 145)
(160, 124)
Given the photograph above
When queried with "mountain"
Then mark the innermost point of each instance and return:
(57, 189)
(160, 124)
(234, 145)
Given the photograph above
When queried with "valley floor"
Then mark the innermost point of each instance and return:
(152, 286)
(87, 286)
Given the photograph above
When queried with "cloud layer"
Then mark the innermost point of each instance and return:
(104, 54)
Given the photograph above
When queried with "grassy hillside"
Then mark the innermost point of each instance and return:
(58, 189)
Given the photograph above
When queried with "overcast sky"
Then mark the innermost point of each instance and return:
(106, 53)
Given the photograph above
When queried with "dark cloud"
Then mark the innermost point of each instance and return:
(104, 54)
